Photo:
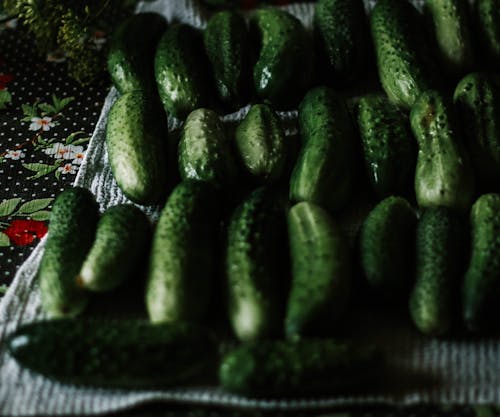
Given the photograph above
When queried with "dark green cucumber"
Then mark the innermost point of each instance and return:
(342, 34)
(440, 249)
(477, 98)
(305, 368)
(121, 239)
(114, 353)
(321, 272)
(284, 65)
(184, 84)
(390, 152)
(324, 172)
(73, 223)
(488, 28)
(482, 280)
(387, 242)
(136, 122)
(261, 144)
(256, 271)
(226, 41)
(205, 151)
(132, 51)
(444, 175)
(183, 255)
(403, 56)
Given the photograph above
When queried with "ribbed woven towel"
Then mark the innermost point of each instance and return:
(430, 370)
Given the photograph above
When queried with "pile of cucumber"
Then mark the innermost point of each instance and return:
(250, 219)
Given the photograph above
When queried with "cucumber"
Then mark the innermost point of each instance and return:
(325, 169)
(487, 15)
(205, 151)
(256, 266)
(321, 272)
(477, 98)
(440, 248)
(122, 236)
(444, 175)
(404, 62)
(73, 223)
(114, 353)
(182, 260)
(136, 135)
(386, 243)
(482, 280)
(181, 71)
(308, 367)
(390, 152)
(226, 40)
(283, 69)
(261, 144)
(132, 51)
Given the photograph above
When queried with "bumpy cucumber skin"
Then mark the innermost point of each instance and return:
(477, 98)
(183, 254)
(260, 141)
(439, 250)
(324, 171)
(404, 65)
(132, 50)
(488, 26)
(184, 84)
(226, 40)
(307, 367)
(256, 266)
(444, 174)
(114, 353)
(321, 272)
(482, 279)
(387, 246)
(390, 152)
(73, 223)
(284, 65)
(205, 151)
(341, 32)
(137, 122)
(452, 33)
(121, 238)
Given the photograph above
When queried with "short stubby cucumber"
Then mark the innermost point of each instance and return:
(121, 239)
(305, 368)
(182, 71)
(477, 98)
(488, 26)
(403, 56)
(482, 279)
(183, 253)
(205, 150)
(132, 51)
(284, 65)
(114, 353)
(444, 174)
(138, 122)
(73, 223)
(226, 41)
(321, 272)
(261, 144)
(387, 247)
(389, 149)
(257, 266)
(325, 169)
(440, 250)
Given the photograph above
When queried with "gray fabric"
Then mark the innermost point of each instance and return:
(425, 370)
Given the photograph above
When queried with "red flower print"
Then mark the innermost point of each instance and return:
(24, 232)
(4, 80)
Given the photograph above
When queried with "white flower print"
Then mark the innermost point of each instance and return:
(78, 157)
(44, 123)
(67, 169)
(14, 155)
(61, 151)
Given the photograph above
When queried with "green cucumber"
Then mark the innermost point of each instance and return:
(73, 223)
(321, 272)
(136, 136)
(122, 236)
(487, 15)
